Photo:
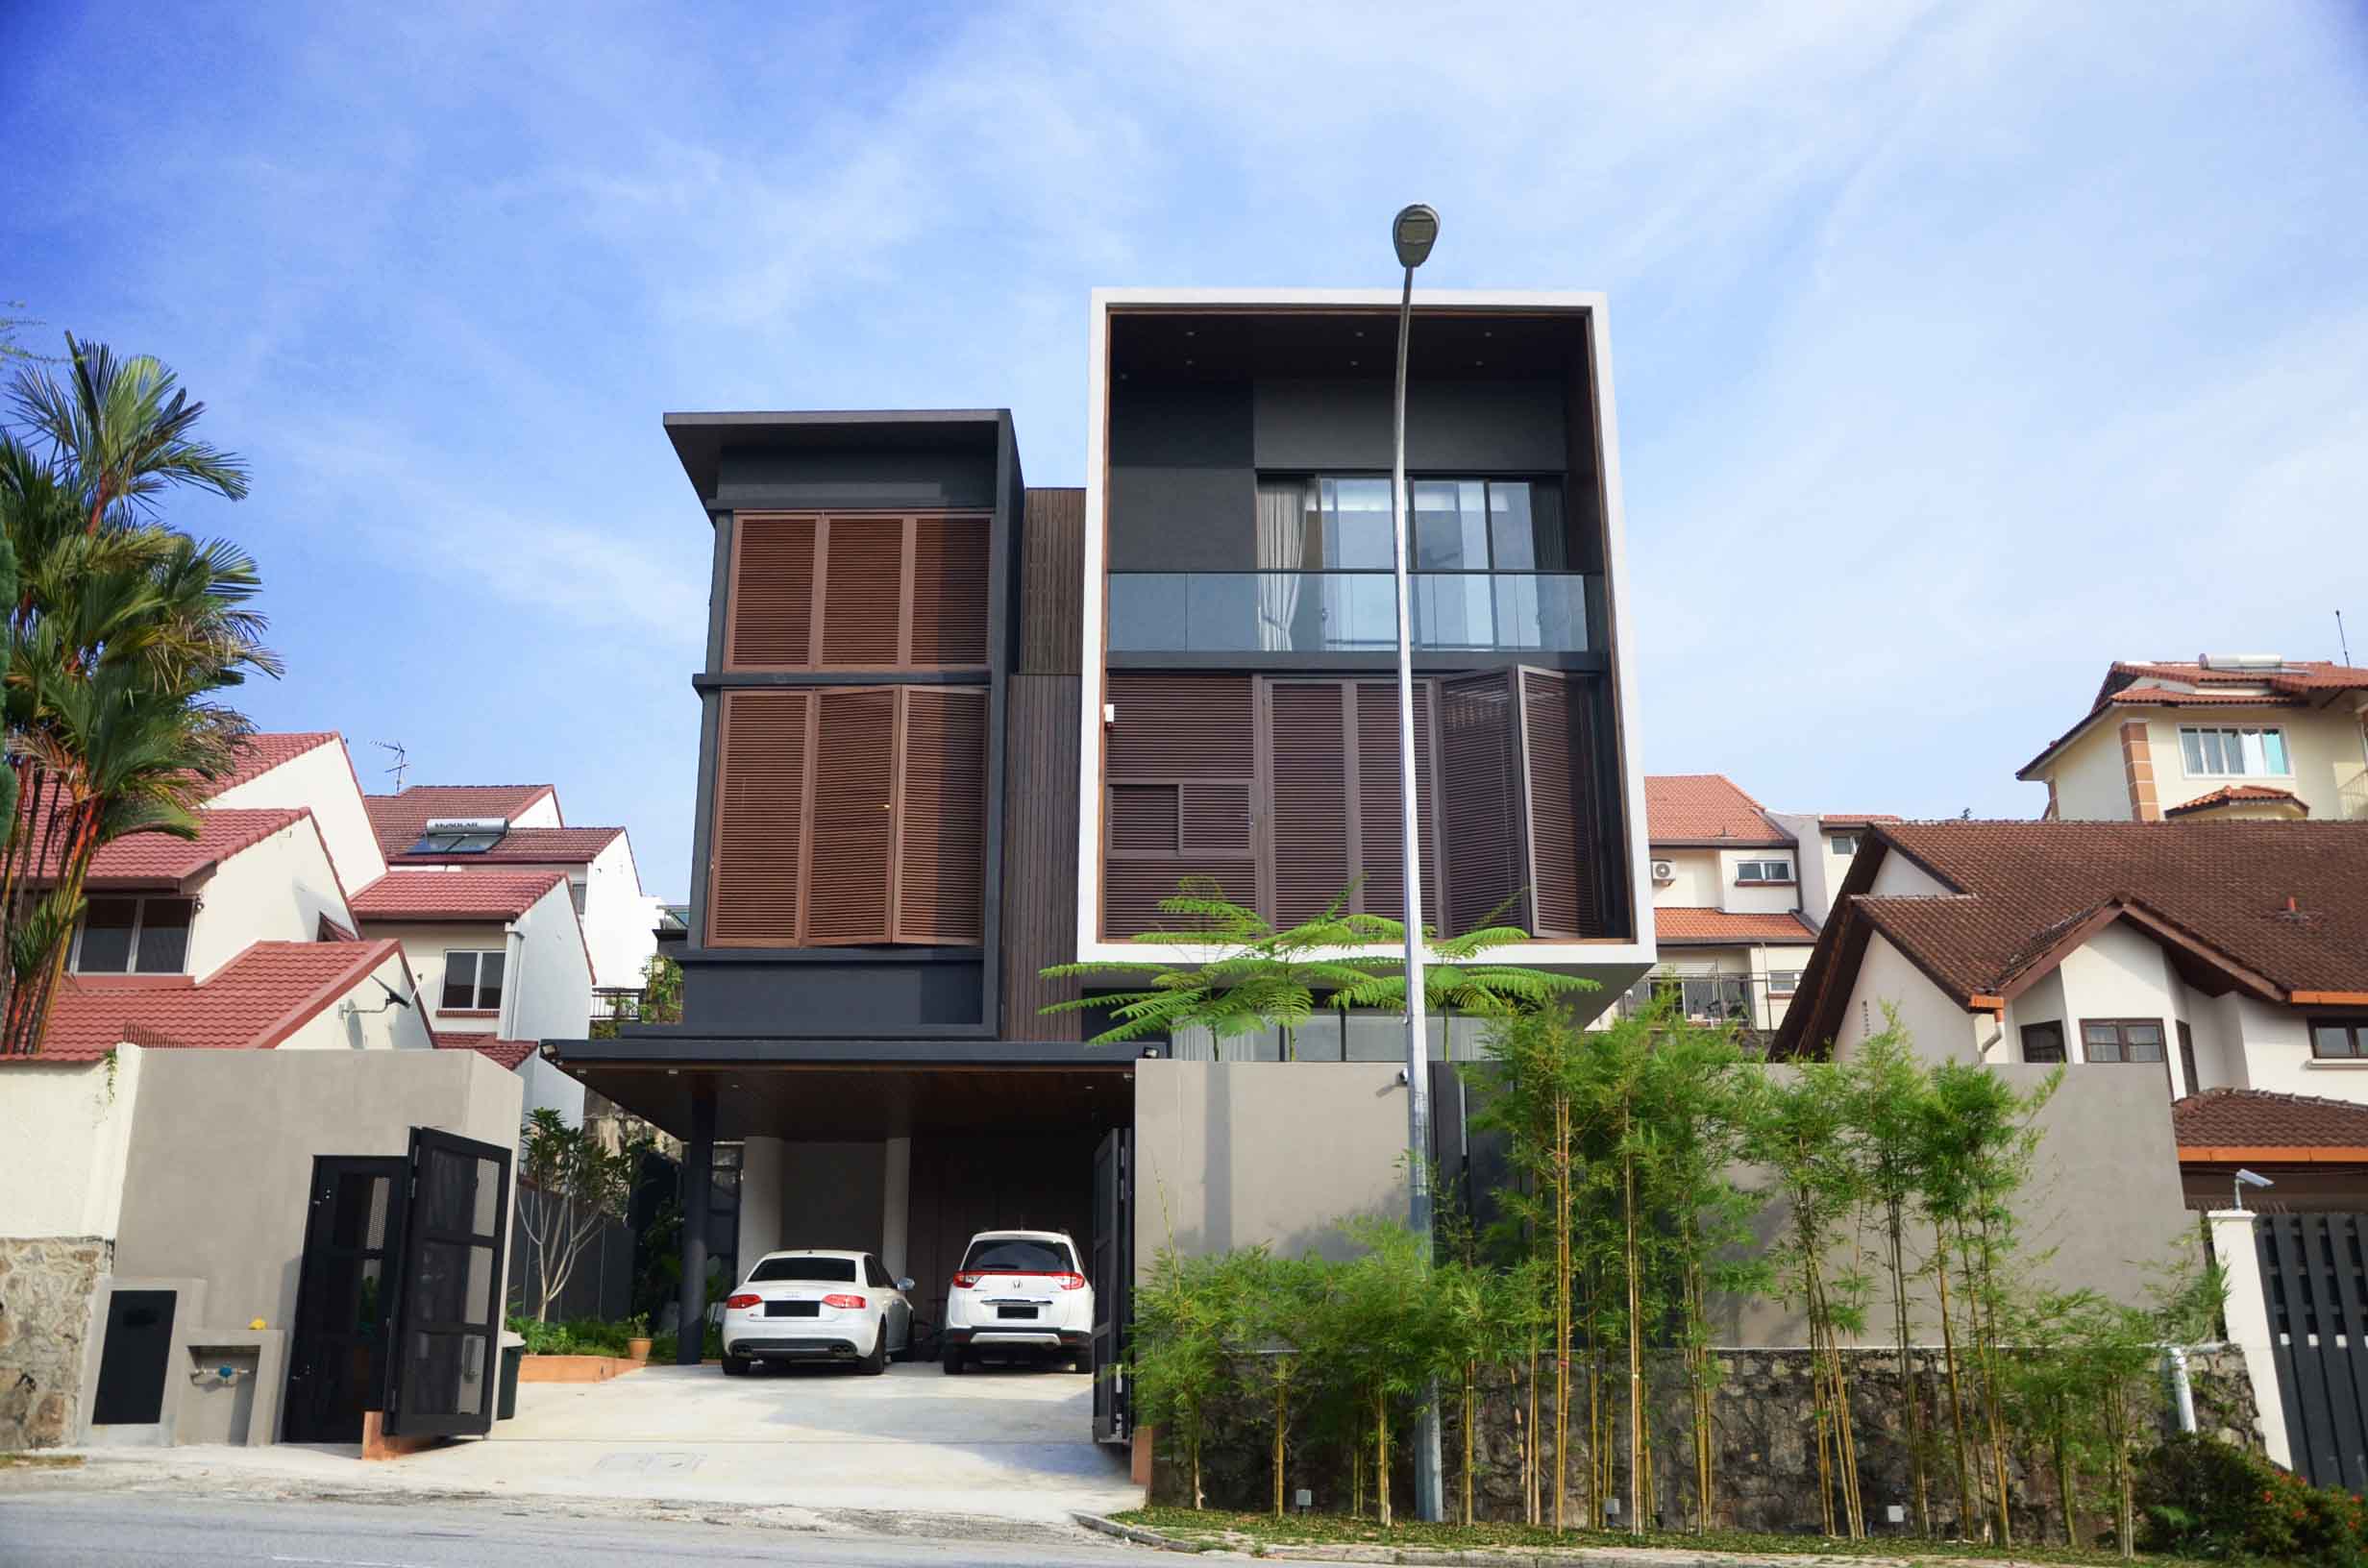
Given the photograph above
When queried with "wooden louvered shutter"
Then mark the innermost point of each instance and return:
(1381, 859)
(1181, 765)
(770, 619)
(854, 821)
(1307, 724)
(1480, 802)
(949, 592)
(759, 831)
(940, 849)
(863, 591)
(1565, 814)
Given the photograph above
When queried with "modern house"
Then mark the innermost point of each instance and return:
(2207, 955)
(955, 732)
(1739, 894)
(2233, 736)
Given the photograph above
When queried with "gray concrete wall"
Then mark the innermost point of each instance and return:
(1229, 1154)
(220, 1163)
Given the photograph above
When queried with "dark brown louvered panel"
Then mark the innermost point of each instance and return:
(1480, 802)
(1311, 828)
(942, 817)
(1132, 889)
(1052, 582)
(772, 611)
(1215, 820)
(863, 591)
(949, 592)
(759, 828)
(1181, 726)
(1143, 819)
(853, 823)
(1381, 856)
(1040, 854)
(1564, 814)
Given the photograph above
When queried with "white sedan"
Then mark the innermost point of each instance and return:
(817, 1306)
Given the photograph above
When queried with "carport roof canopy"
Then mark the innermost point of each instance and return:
(862, 1101)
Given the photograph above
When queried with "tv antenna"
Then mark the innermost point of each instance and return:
(2341, 640)
(403, 762)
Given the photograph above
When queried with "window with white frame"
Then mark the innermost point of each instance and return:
(1763, 871)
(1783, 982)
(473, 982)
(2212, 752)
(1844, 844)
(133, 936)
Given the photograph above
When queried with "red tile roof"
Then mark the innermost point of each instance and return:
(1855, 818)
(2229, 795)
(156, 860)
(2279, 907)
(1684, 926)
(507, 1052)
(263, 753)
(1706, 809)
(2256, 1119)
(529, 845)
(2140, 684)
(400, 818)
(252, 1003)
(454, 895)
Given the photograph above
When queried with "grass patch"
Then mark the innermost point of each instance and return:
(40, 1461)
(1261, 1530)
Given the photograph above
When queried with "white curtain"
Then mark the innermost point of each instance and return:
(1282, 549)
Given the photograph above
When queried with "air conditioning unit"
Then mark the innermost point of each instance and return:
(1664, 871)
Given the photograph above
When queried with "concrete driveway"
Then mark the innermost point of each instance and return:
(1005, 1443)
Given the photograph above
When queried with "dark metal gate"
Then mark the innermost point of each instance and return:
(1114, 1280)
(442, 1376)
(2316, 1292)
(352, 1234)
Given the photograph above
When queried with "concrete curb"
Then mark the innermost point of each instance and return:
(1524, 1557)
(1134, 1533)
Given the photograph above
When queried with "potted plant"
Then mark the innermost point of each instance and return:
(637, 1336)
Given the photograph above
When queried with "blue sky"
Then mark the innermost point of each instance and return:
(1959, 349)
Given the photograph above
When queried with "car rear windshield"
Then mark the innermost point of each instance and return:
(1015, 1256)
(839, 1270)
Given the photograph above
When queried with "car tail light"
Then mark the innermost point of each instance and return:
(967, 1282)
(841, 1301)
(735, 1302)
(1071, 1282)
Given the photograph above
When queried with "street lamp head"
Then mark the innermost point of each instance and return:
(1415, 230)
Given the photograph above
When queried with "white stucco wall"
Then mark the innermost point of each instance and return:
(2091, 783)
(321, 781)
(1900, 877)
(620, 921)
(1941, 1030)
(275, 890)
(1821, 871)
(363, 1019)
(2323, 749)
(67, 1126)
(424, 948)
(1757, 897)
(543, 813)
(546, 986)
(1695, 882)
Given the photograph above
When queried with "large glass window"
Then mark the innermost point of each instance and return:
(2232, 752)
(135, 936)
(1353, 523)
(473, 982)
(2121, 1040)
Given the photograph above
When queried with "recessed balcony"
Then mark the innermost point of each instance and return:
(1352, 612)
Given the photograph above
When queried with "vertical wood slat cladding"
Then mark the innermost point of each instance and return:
(1480, 802)
(1308, 728)
(1132, 889)
(1143, 819)
(941, 816)
(1186, 736)
(948, 613)
(1040, 853)
(863, 591)
(1565, 815)
(1381, 855)
(1215, 819)
(771, 614)
(759, 831)
(1052, 582)
(854, 816)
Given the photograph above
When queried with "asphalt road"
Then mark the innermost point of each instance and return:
(117, 1530)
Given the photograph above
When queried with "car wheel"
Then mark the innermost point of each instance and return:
(737, 1366)
(876, 1360)
(952, 1361)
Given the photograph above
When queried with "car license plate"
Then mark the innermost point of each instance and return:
(1015, 1311)
(793, 1308)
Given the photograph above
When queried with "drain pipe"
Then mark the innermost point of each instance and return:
(2183, 1390)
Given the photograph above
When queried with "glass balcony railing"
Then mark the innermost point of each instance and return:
(1349, 612)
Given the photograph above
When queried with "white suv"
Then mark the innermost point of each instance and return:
(1019, 1293)
(815, 1306)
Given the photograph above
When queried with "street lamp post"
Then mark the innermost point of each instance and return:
(1413, 234)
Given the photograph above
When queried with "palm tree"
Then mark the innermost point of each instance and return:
(118, 633)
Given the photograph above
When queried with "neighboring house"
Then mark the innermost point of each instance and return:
(955, 730)
(520, 829)
(2204, 954)
(2313, 1149)
(500, 961)
(1737, 898)
(2244, 736)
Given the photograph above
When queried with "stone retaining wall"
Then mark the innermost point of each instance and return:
(46, 1287)
(1766, 1463)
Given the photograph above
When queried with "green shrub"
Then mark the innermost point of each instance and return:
(577, 1336)
(2203, 1498)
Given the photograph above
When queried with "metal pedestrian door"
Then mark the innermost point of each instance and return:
(1114, 1281)
(443, 1372)
(2316, 1292)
